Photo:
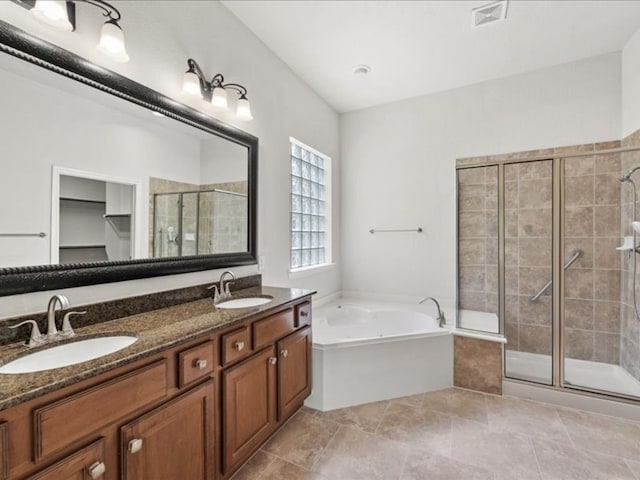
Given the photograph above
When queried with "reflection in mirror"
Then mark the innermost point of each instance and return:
(185, 191)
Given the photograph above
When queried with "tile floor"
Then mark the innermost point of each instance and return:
(449, 434)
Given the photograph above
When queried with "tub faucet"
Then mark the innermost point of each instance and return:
(52, 330)
(442, 321)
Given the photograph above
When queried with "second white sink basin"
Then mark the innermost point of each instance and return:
(245, 302)
(66, 354)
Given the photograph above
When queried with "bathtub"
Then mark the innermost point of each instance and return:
(365, 351)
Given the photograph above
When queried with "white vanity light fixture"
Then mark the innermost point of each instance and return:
(214, 91)
(60, 14)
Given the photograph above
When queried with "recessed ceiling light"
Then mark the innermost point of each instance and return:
(361, 69)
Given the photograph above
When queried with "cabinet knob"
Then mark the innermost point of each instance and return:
(135, 445)
(97, 470)
(238, 346)
(200, 364)
(284, 353)
(273, 360)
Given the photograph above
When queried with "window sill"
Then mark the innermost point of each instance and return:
(313, 270)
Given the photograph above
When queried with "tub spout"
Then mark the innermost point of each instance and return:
(442, 321)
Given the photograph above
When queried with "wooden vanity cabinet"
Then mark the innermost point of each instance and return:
(194, 411)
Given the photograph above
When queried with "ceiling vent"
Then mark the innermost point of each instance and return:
(490, 13)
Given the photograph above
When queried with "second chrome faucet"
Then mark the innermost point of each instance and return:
(224, 293)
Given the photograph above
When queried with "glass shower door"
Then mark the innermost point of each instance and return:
(528, 225)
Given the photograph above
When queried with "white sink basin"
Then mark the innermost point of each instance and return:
(68, 354)
(245, 302)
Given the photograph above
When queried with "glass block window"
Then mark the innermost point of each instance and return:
(309, 206)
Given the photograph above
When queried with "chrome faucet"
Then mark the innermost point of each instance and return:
(442, 321)
(223, 293)
(52, 330)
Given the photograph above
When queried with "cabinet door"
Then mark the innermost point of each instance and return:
(294, 371)
(173, 441)
(85, 464)
(249, 406)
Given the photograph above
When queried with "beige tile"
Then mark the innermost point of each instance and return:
(575, 166)
(535, 252)
(607, 316)
(578, 313)
(607, 348)
(254, 467)
(411, 400)
(354, 454)
(511, 194)
(535, 313)
(534, 223)
(561, 461)
(578, 221)
(420, 428)
(608, 163)
(532, 279)
(607, 145)
(472, 224)
(573, 149)
(477, 365)
(538, 169)
(535, 339)
(302, 440)
(471, 197)
(472, 278)
(472, 175)
(511, 219)
(535, 193)
(603, 434)
(491, 254)
(635, 467)
(607, 284)
(579, 283)
(308, 410)
(457, 402)
(607, 221)
(511, 172)
(421, 466)
(506, 454)
(579, 191)
(471, 251)
(281, 470)
(472, 300)
(536, 419)
(578, 344)
(607, 189)
(512, 280)
(364, 417)
(606, 255)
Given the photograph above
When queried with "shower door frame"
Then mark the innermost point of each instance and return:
(558, 244)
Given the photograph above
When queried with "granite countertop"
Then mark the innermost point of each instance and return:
(156, 330)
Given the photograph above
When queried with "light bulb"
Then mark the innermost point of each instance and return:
(191, 84)
(52, 13)
(219, 98)
(243, 110)
(112, 41)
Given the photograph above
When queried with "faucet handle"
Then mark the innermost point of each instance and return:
(36, 338)
(67, 331)
(227, 292)
(216, 292)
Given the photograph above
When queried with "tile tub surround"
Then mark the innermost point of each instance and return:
(477, 364)
(156, 330)
(449, 434)
(124, 307)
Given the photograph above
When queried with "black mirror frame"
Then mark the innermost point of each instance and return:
(17, 280)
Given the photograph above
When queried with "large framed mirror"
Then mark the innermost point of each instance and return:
(106, 180)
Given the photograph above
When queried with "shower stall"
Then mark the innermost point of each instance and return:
(546, 257)
(202, 222)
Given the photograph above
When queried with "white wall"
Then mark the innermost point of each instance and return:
(398, 164)
(160, 37)
(631, 85)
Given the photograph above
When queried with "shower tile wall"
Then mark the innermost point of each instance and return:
(592, 284)
(528, 229)
(478, 239)
(630, 326)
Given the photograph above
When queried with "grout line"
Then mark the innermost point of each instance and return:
(386, 407)
(323, 449)
(535, 456)
(633, 472)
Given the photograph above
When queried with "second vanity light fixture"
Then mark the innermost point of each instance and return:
(215, 91)
(56, 13)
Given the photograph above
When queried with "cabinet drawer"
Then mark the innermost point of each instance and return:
(236, 345)
(77, 465)
(303, 314)
(273, 328)
(66, 421)
(4, 452)
(196, 363)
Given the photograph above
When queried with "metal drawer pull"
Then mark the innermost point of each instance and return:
(135, 445)
(97, 470)
(284, 353)
(201, 364)
(238, 346)
(304, 313)
(273, 360)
